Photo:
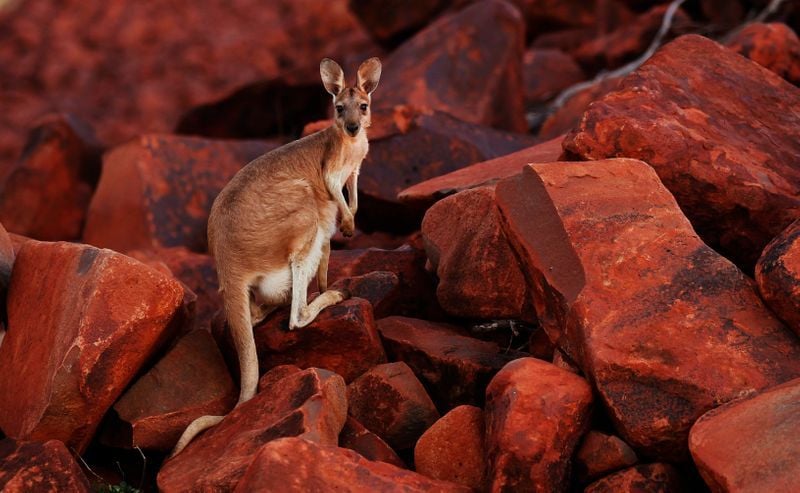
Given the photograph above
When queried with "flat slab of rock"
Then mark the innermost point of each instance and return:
(720, 132)
(773, 46)
(369, 445)
(751, 445)
(45, 467)
(778, 276)
(311, 404)
(81, 324)
(297, 465)
(628, 291)
(652, 478)
(535, 415)
(157, 190)
(455, 367)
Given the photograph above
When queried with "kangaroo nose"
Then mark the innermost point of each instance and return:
(352, 128)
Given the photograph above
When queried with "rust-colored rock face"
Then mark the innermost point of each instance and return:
(45, 194)
(45, 467)
(600, 454)
(455, 367)
(629, 292)
(157, 191)
(565, 117)
(391, 21)
(650, 478)
(294, 465)
(751, 445)
(81, 323)
(342, 339)
(310, 404)
(190, 381)
(391, 402)
(774, 46)
(453, 449)
(778, 276)
(468, 64)
(458, 231)
(426, 193)
(369, 445)
(380, 288)
(728, 159)
(547, 72)
(535, 415)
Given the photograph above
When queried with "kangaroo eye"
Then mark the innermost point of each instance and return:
(339, 108)
(363, 107)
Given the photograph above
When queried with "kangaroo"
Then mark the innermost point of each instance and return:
(269, 229)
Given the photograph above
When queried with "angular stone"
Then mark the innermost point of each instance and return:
(453, 449)
(535, 415)
(369, 445)
(82, 322)
(547, 72)
(716, 128)
(380, 288)
(629, 292)
(392, 403)
(157, 191)
(778, 276)
(458, 231)
(467, 63)
(311, 404)
(751, 445)
(456, 368)
(773, 46)
(45, 194)
(652, 478)
(600, 454)
(342, 339)
(392, 21)
(312, 467)
(544, 15)
(568, 115)
(45, 467)
(190, 381)
(426, 193)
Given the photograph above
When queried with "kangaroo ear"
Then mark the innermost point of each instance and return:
(369, 73)
(332, 76)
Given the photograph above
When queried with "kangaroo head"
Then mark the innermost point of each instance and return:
(351, 104)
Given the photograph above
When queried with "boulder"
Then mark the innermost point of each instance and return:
(380, 288)
(311, 404)
(600, 455)
(190, 381)
(467, 63)
(546, 72)
(652, 478)
(567, 114)
(711, 124)
(628, 291)
(546, 15)
(392, 403)
(778, 276)
(751, 444)
(456, 368)
(82, 323)
(773, 46)
(453, 449)
(535, 416)
(313, 467)
(45, 467)
(45, 194)
(157, 190)
(369, 445)
(393, 21)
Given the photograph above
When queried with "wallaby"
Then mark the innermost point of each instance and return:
(270, 228)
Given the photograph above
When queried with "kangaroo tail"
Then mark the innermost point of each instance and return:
(195, 427)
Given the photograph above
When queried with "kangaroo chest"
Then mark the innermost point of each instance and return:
(345, 161)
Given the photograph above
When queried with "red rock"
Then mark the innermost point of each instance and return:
(543, 15)
(310, 404)
(190, 381)
(342, 339)
(567, 40)
(156, 191)
(45, 194)
(566, 116)
(41, 467)
(535, 415)
(369, 445)
(751, 445)
(453, 449)
(312, 467)
(778, 276)
(547, 72)
(723, 14)
(426, 193)
(7, 255)
(562, 361)
(628, 291)
(600, 454)
(455, 368)
(392, 21)
(81, 324)
(467, 63)
(773, 46)
(458, 231)
(725, 157)
(362, 240)
(650, 478)
(392, 403)
(380, 288)
(275, 375)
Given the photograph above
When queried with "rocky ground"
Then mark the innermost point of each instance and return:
(555, 289)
